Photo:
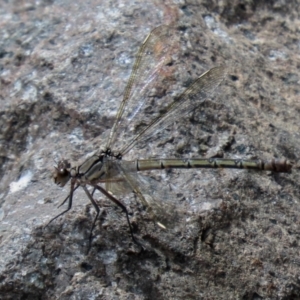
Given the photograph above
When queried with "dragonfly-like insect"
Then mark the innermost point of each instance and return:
(107, 171)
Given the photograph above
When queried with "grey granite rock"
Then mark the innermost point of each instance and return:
(63, 69)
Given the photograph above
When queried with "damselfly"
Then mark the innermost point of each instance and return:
(107, 170)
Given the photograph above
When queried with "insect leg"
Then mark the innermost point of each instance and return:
(70, 197)
(97, 214)
(67, 197)
(122, 206)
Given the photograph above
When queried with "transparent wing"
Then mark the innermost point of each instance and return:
(152, 195)
(199, 90)
(151, 68)
(115, 181)
(170, 206)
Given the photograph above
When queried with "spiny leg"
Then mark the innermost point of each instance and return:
(117, 202)
(97, 214)
(94, 190)
(67, 197)
(69, 205)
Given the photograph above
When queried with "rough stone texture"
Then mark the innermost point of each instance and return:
(63, 68)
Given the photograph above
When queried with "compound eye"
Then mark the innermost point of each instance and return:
(62, 174)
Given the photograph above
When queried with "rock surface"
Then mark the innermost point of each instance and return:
(63, 70)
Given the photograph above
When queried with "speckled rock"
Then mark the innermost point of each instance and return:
(63, 70)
